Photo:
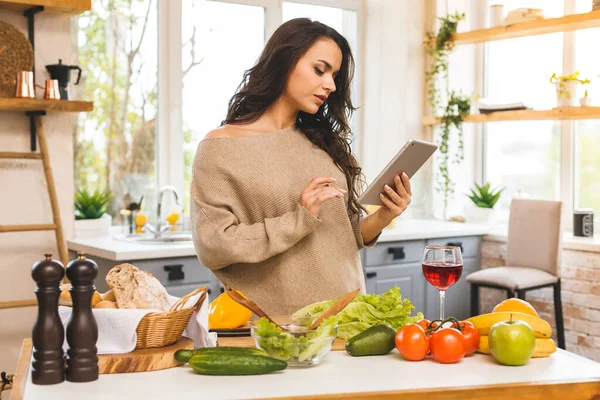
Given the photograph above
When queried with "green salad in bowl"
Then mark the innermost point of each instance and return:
(297, 345)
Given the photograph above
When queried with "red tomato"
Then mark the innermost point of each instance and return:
(447, 346)
(424, 323)
(471, 337)
(412, 342)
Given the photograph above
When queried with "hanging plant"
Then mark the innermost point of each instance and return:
(457, 107)
(439, 48)
(455, 112)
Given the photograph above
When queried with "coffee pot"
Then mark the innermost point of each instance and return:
(62, 73)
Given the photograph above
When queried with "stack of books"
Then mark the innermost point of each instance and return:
(524, 14)
(596, 5)
(486, 107)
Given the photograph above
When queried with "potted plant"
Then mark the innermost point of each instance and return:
(585, 101)
(91, 213)
(484, 199)
(566, 88)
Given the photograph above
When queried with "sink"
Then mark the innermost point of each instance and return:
(179, 237)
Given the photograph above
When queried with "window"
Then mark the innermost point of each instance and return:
(161, 74)
(228, 39)
(524, 157)
(586, 133)
(221, 41)
(114, 146)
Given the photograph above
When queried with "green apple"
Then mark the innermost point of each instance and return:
(512, 342)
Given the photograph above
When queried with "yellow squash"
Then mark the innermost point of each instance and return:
(224, 313)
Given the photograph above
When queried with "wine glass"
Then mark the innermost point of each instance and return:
(442, 267)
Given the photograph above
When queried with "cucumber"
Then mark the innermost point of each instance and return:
(373, 341)
(232, 363)
(184, 355)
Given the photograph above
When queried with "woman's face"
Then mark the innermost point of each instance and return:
(311, 80)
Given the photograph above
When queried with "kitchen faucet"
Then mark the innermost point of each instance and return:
(158, 229)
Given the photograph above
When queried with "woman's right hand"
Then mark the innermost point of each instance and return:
(313, 196)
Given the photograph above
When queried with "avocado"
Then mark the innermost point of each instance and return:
(376, 340)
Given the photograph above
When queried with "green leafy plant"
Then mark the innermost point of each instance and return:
(91, 205)
(561, 89)
(458, 105)
(439, 48)
(454, 114)
(484, 196)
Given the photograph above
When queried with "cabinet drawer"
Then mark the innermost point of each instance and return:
(470, 245)
(394, 253)
(176, 271)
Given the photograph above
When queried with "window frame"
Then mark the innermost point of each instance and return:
(567, 176)
(170, 167)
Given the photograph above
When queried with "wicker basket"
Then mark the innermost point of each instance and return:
(164, 328)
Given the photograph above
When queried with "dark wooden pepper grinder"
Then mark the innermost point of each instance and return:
(82, 330)
(48, 335)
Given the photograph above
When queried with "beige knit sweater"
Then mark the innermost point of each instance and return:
(251, 231)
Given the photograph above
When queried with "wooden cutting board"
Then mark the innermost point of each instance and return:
(141, 360)
(247, 341)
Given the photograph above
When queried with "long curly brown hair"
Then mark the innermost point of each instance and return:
(328, 128)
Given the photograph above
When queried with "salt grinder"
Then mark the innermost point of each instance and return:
(48, 333)
(82, 331)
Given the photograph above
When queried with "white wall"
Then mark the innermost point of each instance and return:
(24, 197)
(393, 87)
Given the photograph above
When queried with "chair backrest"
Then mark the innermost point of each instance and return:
(534, 235)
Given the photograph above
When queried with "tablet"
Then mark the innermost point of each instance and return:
(409, 159)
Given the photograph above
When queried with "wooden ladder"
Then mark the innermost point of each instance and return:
(56, 226)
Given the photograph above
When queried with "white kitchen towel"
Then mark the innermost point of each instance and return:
(117, 327)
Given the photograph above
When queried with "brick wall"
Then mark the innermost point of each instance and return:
(580, 280)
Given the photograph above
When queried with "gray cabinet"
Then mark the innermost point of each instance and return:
(399, 263)
(408, 277)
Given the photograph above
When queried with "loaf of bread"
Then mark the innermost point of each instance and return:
(65, 296)
(106, 304)
(109, 296)
(135, 289)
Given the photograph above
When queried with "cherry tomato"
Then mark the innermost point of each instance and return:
(447, 346)
(470, 334)
(424, 323)
(471, 337)
(412, 342)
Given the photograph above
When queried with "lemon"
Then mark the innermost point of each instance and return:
(173, 218)
(141, 218)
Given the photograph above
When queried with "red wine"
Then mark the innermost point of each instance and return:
(442, 275)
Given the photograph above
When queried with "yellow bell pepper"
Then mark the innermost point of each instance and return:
(225, 313)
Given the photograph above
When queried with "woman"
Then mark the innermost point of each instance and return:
(274, 189)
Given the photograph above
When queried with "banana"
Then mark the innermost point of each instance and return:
(543, 347)
(483, 322)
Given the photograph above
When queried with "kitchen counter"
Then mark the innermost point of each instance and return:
(562, 376)
(113, 249)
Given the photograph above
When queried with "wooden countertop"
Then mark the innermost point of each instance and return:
(562, 376)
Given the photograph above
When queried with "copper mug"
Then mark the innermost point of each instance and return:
(51, 91)
(24, 88)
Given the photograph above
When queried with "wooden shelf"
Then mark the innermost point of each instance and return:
(568, 113)
(59, 7)
(14, 104)
(566, 23)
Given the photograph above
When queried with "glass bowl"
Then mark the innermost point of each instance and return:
(298, 346)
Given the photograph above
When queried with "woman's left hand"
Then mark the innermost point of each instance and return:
(395, 201)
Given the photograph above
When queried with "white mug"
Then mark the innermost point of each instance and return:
(496, 15)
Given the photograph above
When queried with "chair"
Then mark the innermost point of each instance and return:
(532, 257)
